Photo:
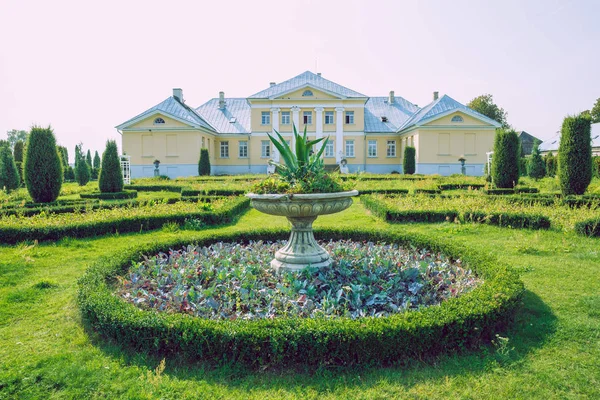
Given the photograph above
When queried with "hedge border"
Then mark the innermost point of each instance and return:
(502, 219)
(211, 192)
(155, 188)
(590, 227)
(461, 186)
(126, 194)
(11, 235)
(460, 323)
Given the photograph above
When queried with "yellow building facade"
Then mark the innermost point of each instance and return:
(369, 133)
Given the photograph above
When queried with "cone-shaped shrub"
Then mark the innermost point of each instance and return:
(88, 158)
(96, 160)
(408, 164)
(536, 168)
(18, 151)
(505, 161)
(43, 167)
(575, 155)
(550, 164)
(9, 175)
(82, 173)
(204, 163)
(111, 176)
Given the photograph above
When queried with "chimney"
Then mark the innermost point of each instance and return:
(436, 95)
(318, 74)
(178, 94)
(392, 99)
(221, 100)
(271, 84)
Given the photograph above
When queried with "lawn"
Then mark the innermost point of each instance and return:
(551, 351)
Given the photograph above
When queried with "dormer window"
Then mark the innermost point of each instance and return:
(457, 118)
(307, 93)
(158, 121)
(384, 118)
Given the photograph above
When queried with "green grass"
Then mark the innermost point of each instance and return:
(551, 351)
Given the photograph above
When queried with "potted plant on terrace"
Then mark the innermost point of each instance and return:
(300, 190)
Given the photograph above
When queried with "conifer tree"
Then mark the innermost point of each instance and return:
(536, 168)
(88, 159)
(409, 162)
(9, 175)
(82, 170)
(111, 176)
(575, 155)
(505, 161)
(96, 160)
(204, 163)
(43, 167)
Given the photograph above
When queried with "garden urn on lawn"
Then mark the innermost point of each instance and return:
(300, 190)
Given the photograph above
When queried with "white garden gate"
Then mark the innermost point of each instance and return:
(126, 169)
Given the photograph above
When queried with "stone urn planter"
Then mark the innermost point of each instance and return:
(301, 210)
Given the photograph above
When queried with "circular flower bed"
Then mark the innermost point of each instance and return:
(233, 280)
(460, 322)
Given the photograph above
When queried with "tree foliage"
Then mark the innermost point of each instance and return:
(111, 176)
(88, 158)
(551, 164)
(485, 105)
(204, 163)
(595, 112)
(409, 162)
(536, 167)
(64, 156)
(43, 167)
(96, 163)
(505, 161)
(15, 135)
(82, 170)
(18, 151)
(575, 155)
(10, 178)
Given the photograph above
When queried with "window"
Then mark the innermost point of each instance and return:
(329, 149)
(224, 149)
(457, 118)
(265, 148)
(384, 118)
(265, 118)
(159, 121)
(349, 148)
(307, 118)
(243, 149)
(349, 117)
(391, 148)
(285, 118)
(372, 148)
(328, 117)
(307, 93)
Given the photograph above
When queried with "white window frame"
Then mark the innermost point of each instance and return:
(307, 117)
(265, 118)
(159, 121)
(329, 149)
(458, 118)
(349, 148)
(224, 149)
(329, 120)
(265, 149)
(349, 118)
(243, 149)
(391, 148)
(285, 118)
(372, 148)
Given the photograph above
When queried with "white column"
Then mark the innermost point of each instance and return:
(319, 125)
(339, 134)
(275, 125)
(296, 120)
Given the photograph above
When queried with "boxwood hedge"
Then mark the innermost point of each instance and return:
(590, 227)
(460, 323)
(126, 194)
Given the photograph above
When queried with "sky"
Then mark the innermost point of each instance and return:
(85, 67)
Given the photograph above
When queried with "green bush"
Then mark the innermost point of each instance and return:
(428, 191)
(596, 166)
(499, 191)
(204, 163)
(156, 188)
(88, 159)
(409, 162)
(589, 227)
(18, 151)
(96, 164)
(551, 164)
(111, 176)
(213, 192)
(10, 179)
(505, 162)
(461, 186)
(82, 172)
(43, 167)
(461, 323)
(127, 194)
(536, 167)
(575, 150)
(69, 174)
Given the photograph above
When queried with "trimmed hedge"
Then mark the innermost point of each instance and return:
(212, 192)
(461, 186)
(503, 219)
(499, 191)
(155, 188)
(575, 155)
(13, 234)
(428, 191)
(505, 163)
(126, 194)
(204, 199)
(590, 227)
(459, 323)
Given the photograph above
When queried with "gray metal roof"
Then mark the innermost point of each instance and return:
(553, 143)
(443, 105)
(397, 113)
(306, 78)
(173, 108)
(221, 119)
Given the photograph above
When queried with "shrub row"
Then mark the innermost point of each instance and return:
(504, 219)
(383, 191)
(590, 227)
(551, 200)
(463, 186)
(126, 194)
(511, 191)
(156, 188)
(213, 192)
(428, 191)
(144, 220)
(460, 323)
(203, 199)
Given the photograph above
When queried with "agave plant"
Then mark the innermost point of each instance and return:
(299, 164)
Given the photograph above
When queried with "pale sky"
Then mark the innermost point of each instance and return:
(85, 68)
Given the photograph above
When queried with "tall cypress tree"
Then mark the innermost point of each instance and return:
(505, 161)
(18, 151)
(96, 160)
(88, 159)
(409, 162)
(575, 155)
(43, 167)
(9, 175)
(204, 163)
(111, 176)
(82, 170)
(536, 168)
